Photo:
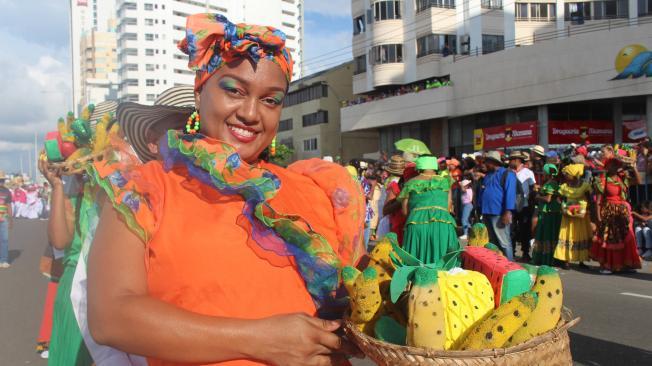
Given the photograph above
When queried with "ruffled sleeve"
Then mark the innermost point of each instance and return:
(347, 201)
(442, 183)
(550, 188)
(134, 189)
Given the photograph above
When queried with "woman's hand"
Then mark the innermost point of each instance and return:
(299, 339)
(53, 178)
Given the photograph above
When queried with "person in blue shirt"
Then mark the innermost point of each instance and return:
(497, 201)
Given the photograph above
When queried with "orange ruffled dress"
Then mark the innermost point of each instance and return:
(201, 255)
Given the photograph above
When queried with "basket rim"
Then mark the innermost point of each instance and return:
(564, 324)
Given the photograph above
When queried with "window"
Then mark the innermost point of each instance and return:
(149, 67)
(310, 144)
(492, 43)
(132, 98)
(316, 118)
(130, 21)
(184, 72)
(434, 43)
(287, 142)
(539, 11)
(129, 36)
(385, 10)
(149, 52)
(289, 25)
(130, 51)
(131, 82)
(577, 12)
(149, 37)
(521, 11)
(149, 7)
(285, 125)
(151, 97)
(491, 4)
(306, 94)
(131, 67)
(149, 82)
(360, 65)
(644, 7)
(149, 22)
(425, 4)
(385, 54)
(358, 25)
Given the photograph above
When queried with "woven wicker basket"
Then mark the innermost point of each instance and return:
(550, 349)
(78, 165)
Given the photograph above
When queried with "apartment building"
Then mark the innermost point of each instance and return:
(99, 66)
(555, 71)
(310, 121)
(148, 32)
(87, 16)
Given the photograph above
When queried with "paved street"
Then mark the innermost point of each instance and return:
(616, 311)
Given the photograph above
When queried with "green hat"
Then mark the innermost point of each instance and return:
(427, 163)
(550, 169)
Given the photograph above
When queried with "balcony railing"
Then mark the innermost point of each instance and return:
(569, 31)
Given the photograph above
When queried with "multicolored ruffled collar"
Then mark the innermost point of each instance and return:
(219, 166)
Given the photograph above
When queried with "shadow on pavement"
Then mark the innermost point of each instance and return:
(592, 351)
(14, 254)
(639, 275)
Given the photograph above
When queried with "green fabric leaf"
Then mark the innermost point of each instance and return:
(400, 280)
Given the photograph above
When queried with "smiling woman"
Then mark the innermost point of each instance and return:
(196, 261)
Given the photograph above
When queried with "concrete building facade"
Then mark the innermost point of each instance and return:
(99, 66)
(148, 33)
(550, 63)
(310, 121)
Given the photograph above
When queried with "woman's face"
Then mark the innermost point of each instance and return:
(241, 105)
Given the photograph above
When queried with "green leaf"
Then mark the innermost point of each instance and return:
(406, 257)
(400, 280)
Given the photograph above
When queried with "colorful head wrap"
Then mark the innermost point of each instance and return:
(212, 41)
(427, 163)
(573, 170)
(550, 169)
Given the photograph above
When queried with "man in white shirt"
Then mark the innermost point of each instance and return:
(523, 217)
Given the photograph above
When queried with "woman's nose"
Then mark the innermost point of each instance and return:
(248, 111)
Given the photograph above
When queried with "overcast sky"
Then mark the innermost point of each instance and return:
(35, 71)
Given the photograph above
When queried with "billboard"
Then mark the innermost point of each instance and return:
(518, 134)
(568, 132)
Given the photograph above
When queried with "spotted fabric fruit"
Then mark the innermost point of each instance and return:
(548, 311)
(426, 319)
(364, 294)
(468, 298)
(507, 319)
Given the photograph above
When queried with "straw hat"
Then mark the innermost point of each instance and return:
(170, 111)
(396, 165)
(495, 156)
(103, 108)
(518, 155)
(539, 150)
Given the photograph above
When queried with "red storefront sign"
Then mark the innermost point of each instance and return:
(519, 134)
(634, 131)
(568, 132)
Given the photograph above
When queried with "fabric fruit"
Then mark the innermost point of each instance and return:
(507, 319)
(426, 319)
(478, 235)
(467, 298)
(545, 316)
(508, 279)
(364, 293)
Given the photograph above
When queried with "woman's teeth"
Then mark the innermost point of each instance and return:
(242, 131)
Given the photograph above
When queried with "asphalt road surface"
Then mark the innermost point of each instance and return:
(616, 311)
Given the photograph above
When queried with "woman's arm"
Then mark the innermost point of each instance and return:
(123, 316)
(405, 205)
(61, 224)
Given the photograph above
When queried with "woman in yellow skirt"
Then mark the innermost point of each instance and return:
(575, 233)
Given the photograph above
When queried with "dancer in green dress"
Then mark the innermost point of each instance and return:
(430, 230)
(546, 234)
(66, 345)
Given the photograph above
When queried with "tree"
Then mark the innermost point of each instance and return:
(283, 155)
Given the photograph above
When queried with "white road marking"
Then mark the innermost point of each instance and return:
(636, 295)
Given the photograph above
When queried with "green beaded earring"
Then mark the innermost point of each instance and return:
(192, 126)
